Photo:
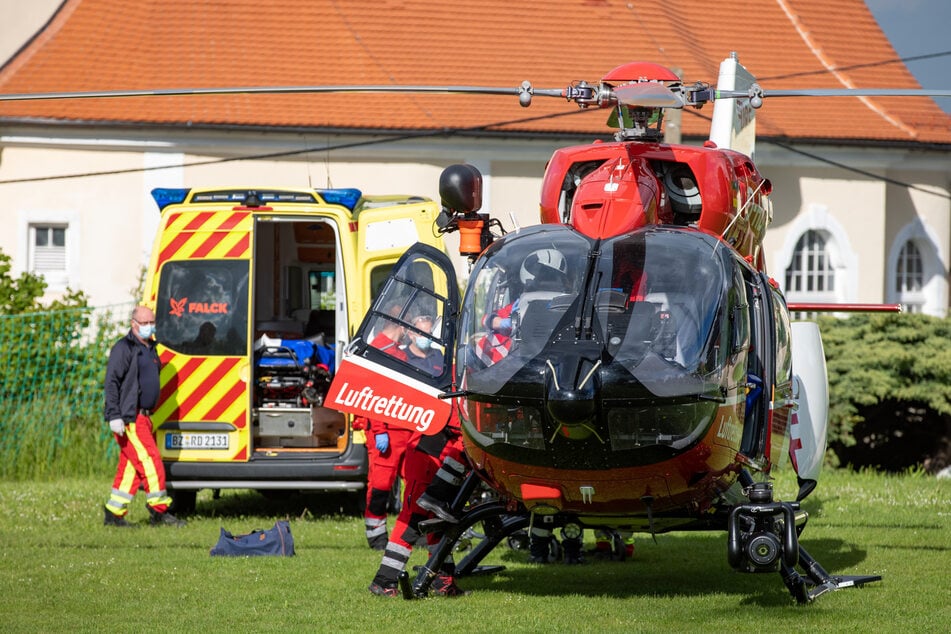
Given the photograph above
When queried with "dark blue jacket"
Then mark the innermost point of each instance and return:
(122, 378)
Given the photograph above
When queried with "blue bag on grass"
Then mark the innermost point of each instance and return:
(276, 541)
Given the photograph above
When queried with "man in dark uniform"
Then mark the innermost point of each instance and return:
(131, 395)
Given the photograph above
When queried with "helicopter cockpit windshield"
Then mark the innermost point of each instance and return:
(518, 296)
(644, 303)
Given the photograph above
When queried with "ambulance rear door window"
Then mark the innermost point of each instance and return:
(202, 307)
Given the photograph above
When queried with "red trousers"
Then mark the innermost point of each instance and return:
(140, 465)
(384, 467)
(420, 468)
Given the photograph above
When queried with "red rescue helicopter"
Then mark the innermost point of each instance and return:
(628, 364)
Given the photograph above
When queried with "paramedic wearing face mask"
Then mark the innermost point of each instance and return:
(420, 351)
(131, 395)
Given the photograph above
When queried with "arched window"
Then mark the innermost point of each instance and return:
(910, 277)
(811, 271)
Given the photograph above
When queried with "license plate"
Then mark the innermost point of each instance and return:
(177, 441)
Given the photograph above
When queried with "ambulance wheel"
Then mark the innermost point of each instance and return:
(183, 501)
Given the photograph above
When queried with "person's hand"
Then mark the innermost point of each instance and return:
(382, 442)
(117, 425)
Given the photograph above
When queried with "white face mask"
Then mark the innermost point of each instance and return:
(146, 330)
(423, 343)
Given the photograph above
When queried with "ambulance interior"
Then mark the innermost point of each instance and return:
(295, 338)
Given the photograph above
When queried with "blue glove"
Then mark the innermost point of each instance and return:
(382, 442)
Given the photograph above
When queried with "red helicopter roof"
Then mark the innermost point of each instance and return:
(639, 71)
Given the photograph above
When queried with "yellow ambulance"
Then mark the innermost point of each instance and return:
(256, 292)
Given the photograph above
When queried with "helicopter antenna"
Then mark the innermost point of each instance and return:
(738, 213)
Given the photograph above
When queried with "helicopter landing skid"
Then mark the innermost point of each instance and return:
(503, 524)
(817, 581)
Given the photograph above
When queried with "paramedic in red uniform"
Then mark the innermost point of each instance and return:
(131, 395)
(386, 445)
(426, 460)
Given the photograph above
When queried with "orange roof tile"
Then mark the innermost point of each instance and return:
(160, 44)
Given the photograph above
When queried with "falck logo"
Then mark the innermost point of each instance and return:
(178, 306)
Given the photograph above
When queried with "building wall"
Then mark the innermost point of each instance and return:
(112, 218)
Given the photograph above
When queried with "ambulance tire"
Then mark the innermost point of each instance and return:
(183, 501)
(356, 504)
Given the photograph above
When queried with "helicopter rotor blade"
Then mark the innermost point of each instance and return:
(269, 90)
(756, 93)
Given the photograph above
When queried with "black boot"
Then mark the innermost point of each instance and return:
(438, 507)
(539, 549)
(157, 518)
(111, 519)
(573, 550)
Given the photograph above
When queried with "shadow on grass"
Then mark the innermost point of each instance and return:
(678, 565)
(273, 503)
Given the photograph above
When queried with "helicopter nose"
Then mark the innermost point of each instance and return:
(572, 411)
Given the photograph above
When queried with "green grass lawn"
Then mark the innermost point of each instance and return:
(62, 571)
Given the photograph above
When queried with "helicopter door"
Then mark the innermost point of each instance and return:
(400, 359)
(760, 368)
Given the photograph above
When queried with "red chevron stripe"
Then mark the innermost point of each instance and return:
(241, 420)
(233, 220)
(198, 221)
(172, 385)
(199, 392)
(241, 248)
(172, 248)
(236, 391)
(210, 243)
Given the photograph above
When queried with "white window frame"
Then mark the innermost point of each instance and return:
(814, 266)
(56, 281)
(842, 257)
(932, 299)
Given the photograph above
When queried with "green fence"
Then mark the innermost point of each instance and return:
(52, 366)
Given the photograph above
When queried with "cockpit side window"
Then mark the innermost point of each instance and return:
(518, 293)
(410, 322)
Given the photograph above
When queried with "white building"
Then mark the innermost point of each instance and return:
(860, 187)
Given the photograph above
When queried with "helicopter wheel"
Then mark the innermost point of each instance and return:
(517, 540)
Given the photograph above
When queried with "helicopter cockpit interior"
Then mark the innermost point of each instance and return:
(629, 322)
(558, 285)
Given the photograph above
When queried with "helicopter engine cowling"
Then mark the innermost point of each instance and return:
(618, 197)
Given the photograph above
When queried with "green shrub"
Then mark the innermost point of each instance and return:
(889, 390)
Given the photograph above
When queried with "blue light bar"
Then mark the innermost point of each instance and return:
(347, 197)
(169, 196)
